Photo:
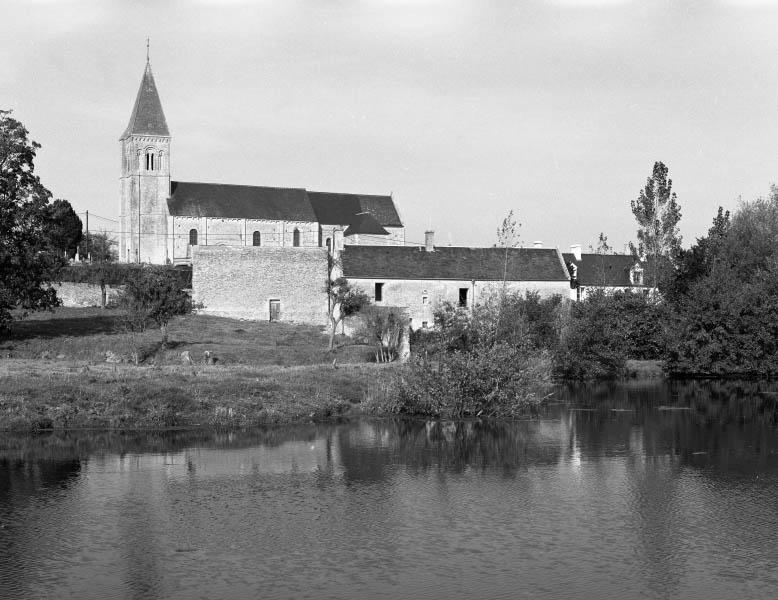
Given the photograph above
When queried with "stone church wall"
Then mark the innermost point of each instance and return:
(240, 282)
(217, 231)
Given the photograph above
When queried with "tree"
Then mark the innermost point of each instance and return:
(98, 247)
(507, 237)
(28, 259)
(657, 212)
(342, 299)
(701, 259)
(725, 297)
(601, 268)
(65, 227)
(602, 245)
(154, 294)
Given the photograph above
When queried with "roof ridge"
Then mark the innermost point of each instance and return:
(243, 185)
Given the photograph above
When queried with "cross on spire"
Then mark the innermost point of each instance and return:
(147, 50)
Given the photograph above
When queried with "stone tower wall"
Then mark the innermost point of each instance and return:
(143, 204)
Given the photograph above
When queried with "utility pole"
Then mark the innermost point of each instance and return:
(87, 237)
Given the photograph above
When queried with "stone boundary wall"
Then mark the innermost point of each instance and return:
(240, 282)
(84, 294)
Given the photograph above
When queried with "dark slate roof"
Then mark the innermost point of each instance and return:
(339, 209)
(364, 223)
(147, 116)
(480, 264)
(239, 202)
(602, 269)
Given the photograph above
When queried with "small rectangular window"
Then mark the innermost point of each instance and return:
(463, 297)
(424, 324)
(425, 300)
(379, 292)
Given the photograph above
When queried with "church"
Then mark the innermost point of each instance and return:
(162, 220)
(261, 252)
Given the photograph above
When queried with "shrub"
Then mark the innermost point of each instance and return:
(487, 381)
(153, 294)
(591, 346)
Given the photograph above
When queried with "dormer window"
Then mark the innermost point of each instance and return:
(637, 276)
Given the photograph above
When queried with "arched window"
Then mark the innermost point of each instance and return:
(193, 237)
(296, 237)
(150, 160)
(257, 239)
(329, 244)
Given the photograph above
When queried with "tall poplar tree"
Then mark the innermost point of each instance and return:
(657, 212)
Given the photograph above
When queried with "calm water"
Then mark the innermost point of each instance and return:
(629, 491)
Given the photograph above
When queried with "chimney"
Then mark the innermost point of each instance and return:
(429, 241)
(537, 244)
(576, 250)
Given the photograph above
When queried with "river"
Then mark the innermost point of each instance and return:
(629, 490)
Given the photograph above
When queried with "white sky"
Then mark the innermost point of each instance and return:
(464, 109)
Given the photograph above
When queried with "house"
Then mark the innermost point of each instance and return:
(162, 220)
(420, 278)
(610, 272)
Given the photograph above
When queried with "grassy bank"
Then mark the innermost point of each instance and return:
(54, 373)
(88, 334)
(48, 394)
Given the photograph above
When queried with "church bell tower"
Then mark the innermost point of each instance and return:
(145, 179)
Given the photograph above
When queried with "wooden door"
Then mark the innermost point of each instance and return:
(275, 310)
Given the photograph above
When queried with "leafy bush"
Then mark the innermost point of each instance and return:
(516, 319)
(486, 381)
(725, 297)
(727, 327)
(591, 344)
(384, 326)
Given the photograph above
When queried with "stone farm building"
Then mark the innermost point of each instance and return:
(261, 252)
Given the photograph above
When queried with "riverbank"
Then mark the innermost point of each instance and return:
(46, 394)
(78, 368)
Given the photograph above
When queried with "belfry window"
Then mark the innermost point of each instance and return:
(150, 161)
(296, 237)
(257, 239)
(193, 237)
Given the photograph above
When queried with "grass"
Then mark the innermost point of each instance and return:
(86, 334)
(54, 374)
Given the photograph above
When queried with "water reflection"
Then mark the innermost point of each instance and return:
(628, 490)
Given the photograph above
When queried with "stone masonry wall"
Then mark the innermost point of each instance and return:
(240, 282)
(214, 231)
(421, 297)
(83, 294)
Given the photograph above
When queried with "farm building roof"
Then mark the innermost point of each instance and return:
(602, 269)
(480, 264)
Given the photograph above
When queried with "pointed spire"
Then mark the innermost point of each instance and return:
(147, 115)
